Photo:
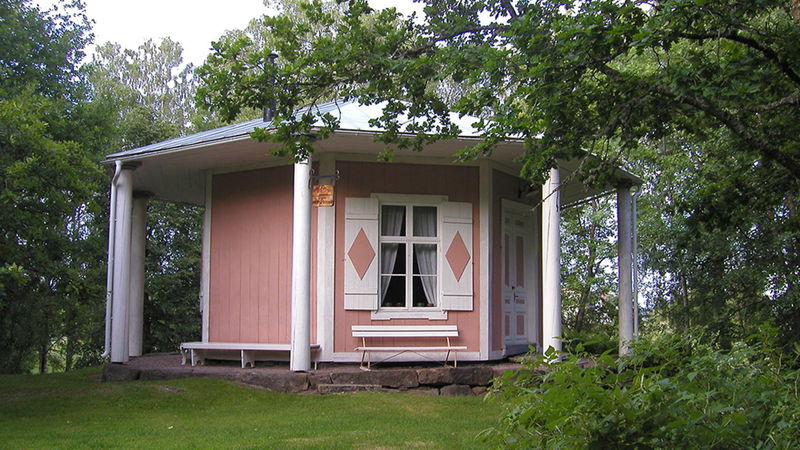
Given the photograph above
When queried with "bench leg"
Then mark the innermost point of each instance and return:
(365, 355)
(198, 358)
(184, 352)
(248, 357)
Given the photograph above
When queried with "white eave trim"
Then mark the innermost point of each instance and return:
(164, 151)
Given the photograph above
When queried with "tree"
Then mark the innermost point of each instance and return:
(589, 275)
(151, 95)
(151, 76)
(718, 81)
(574, 76)
(48, 176)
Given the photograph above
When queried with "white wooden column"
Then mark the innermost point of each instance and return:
(551, 262)
(205, 258)
(625, 256)
(326, 264)
(300, 357)
(136, 299)
(122, 264)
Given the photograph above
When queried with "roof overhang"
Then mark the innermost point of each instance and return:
(179, 173)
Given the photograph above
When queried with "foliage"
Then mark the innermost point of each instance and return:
(719, 239)
(172, 313)
(673, 391)
(41, 50)
(591, 343)
(48, 181)
(588, 267)
(700, 97)
(151, 94)
(571, 76)
(151, 77)
(74, 410)
(56, 127)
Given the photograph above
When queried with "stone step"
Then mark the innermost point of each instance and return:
(339, 388)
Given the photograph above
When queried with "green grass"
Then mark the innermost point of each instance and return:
(77, 410)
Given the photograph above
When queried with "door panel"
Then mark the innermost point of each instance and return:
(517, 304)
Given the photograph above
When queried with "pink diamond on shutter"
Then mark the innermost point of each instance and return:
(457, 256)
(361, 253)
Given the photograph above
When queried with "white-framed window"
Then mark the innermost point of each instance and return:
(408, 256)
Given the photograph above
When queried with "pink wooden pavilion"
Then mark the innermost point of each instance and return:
(416, 243)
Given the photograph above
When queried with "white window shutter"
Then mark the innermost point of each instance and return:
(361, 228)
(456, 258)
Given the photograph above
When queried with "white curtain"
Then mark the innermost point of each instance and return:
(392, 218)
(425, 254)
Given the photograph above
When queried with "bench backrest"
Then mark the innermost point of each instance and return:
(405, 330)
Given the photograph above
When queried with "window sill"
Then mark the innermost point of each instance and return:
(408, 314)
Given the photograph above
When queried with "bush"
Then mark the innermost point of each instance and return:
(672, 391)
(595, 343)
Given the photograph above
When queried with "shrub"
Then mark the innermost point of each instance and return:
(593, 343)
(670, 392)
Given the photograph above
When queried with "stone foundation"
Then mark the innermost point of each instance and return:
(465, 380)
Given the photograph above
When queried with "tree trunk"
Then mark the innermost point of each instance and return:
(685, 295)
(587, 288)
(43, 359)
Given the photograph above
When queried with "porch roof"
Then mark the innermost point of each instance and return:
(353, 117)
(175, 169)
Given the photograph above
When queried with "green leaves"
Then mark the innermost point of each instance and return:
(671, 392)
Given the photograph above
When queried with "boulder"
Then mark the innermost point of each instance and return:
(394, 378)
(473, 376)
(438, 376)
(479, 390)
(441, 376)
(277, 381)
(341, 388)
(424, 391)
(316, 379)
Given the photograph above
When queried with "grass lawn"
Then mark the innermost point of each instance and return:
(77, 410)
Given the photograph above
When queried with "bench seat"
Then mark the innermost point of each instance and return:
(406, 331)
(420, 349)
(196, 351)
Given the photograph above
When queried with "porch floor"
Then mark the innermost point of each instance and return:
(470, 378)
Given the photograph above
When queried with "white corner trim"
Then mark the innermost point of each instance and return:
(388, 314)
(205, 271)
(484, 296)
(326, 266)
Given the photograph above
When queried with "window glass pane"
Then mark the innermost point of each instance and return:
(393, 259)
(424, 291)
(425, 221)
(425, 259)
(393, 291)
(393, 220)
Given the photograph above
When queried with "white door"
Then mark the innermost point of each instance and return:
(518, 275)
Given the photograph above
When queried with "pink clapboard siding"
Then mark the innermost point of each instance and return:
(360, 179)
(251, 254)
(504, 186)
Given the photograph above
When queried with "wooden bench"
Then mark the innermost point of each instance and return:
(196, 351)
(407, 331)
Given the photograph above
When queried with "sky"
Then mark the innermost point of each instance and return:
(193, 23)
